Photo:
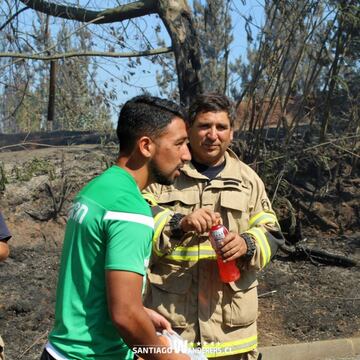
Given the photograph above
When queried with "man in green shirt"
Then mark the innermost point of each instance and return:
(99, 311)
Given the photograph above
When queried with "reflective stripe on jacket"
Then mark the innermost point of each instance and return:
(161, 216)
(184, 281)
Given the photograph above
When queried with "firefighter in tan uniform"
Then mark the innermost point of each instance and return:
(184, 282)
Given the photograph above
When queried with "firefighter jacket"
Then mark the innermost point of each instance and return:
(184, 284)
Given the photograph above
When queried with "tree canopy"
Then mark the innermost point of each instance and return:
(302, 61)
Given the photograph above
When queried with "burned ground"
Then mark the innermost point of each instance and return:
(300, 300)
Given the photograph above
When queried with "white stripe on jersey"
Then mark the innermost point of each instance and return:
(55, 354)
(141, 219)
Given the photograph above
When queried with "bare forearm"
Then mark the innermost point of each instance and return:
(129, 316)
(136, 328)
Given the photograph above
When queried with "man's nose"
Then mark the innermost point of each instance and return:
(212, 133)
(186, 156)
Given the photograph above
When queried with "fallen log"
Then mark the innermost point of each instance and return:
(316, 256)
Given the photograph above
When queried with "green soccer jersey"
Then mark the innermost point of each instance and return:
(110, 227)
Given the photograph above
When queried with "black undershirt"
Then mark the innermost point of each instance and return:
(209, 171)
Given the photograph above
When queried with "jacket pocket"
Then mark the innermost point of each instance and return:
(236, 205)
(180, 201)
(240, 307)
(169, 296)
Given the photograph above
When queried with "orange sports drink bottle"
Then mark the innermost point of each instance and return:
(228, 270)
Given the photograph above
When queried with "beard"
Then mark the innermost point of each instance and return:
(158, 176)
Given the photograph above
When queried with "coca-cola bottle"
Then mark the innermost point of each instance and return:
(228, 270)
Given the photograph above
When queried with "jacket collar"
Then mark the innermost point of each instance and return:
(230, 171)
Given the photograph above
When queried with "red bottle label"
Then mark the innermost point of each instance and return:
(218, 233)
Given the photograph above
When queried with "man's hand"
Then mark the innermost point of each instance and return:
(200, 221)
(234, 246)
(159, 322)
(4, 250)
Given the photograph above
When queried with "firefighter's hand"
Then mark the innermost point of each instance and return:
(200, 221)
(159, 322)
(234, 246)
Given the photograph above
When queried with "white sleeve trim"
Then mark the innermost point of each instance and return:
(55, 354)
(140, 219)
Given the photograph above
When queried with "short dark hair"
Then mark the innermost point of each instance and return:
(145, 115)
(211, 102)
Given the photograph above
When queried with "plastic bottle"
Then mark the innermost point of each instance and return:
(180, 345)
(228, 270)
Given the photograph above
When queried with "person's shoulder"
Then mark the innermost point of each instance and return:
(154, 188)
(245, 171)
(117, 177)
(115, 190)
(112, 178)
(248, 170)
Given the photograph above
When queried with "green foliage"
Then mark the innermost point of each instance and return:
(79, 103)
(33, 168)
(214, 26)
(3, 179)
(21, 107)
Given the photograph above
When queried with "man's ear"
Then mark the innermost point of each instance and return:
(146, 146)
(232, 134)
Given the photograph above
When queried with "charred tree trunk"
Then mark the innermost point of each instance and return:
(177, 18)
(52, 82)
(52, 91)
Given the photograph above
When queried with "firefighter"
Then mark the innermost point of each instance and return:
(220, 318)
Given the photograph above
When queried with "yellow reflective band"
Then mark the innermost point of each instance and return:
(149, 197)
(160, 219)
(263, 243)
(192, 253)
(159, 222)
(216, 349)
(263, 217)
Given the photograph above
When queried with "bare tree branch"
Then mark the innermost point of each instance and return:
(150, 52)
(120, 13)
(13, 17)
(177, 18)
